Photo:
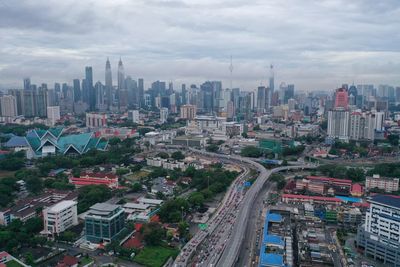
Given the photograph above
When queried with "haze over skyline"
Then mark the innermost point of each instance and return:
(313, 44)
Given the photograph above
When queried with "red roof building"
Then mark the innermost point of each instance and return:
(68, 261)
(290, 198)
(87, 178)
(357, 190)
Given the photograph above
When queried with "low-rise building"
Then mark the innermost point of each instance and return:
(95, 178)
(104, 222)
(60, 217)
(384, 183)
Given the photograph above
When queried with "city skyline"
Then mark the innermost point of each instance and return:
(318, 45)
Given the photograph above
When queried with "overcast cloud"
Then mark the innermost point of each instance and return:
(313, 44)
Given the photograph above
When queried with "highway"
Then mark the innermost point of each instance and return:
(217, 246)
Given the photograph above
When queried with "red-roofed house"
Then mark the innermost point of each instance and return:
(68, 261)
(357, 190)
(99, 178)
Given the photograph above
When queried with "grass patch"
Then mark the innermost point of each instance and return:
(136, 175)
(155, 256)
(13, 263)
(85, 261)
(4, 173)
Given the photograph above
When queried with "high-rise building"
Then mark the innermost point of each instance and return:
(163, 115)
(141, 92)
(103, 222)
(100, 101)
(289, 93)
(341, 98)
(27, 84)
(8, 106)
(60, 217)
(379, 236)
(77, 90)
(271, 84)
(338, 124)
(53, 114)
(188, 112)
(108, 82)
(96, 120)
(133, 115)
(262, 99)
(89, 93)
(121, 81)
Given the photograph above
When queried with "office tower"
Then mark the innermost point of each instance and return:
(8, 106)
(132, 89)
(141, 92)
(60, 217)
(188, 112)
(230, 110)
(121, 82)
(163, 115)
(53, 114)
(29, 103)
(338, 123)
(108, 82)
(77, 90)
(271, 84)
(89, 94)
(207, 91)
(341, 98)
(27, 84)
(100, 102)
(217, 91)
(41, 103)
(289, 93)
(379, 236)
(111, 218)
(235, 97)
(133, 116)
(147, 100)
(170, 88)
(184, 94)
(261, 99)
(57, 87)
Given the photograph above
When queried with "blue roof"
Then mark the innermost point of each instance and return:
(349, 199)
(387, 200)
(16, 141)
(274, 217)
(274, 239)
(271, 259)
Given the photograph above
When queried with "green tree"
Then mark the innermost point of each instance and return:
(251, 151)
(177, 155)
(136, 187)
(196, 199)
(212, 148)
(34, 184)
(153, 233)
(163, 155)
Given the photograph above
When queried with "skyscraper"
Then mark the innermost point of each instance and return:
(27, 83)
(77, 90)
(90, 94)
(121, 81)
(271, 84)
(341, 98)
(108, 81)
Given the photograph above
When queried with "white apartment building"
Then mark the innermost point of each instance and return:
(338, 124)
(60, 217)
(133, 115)
(387, 184)
(53, 114)
(163, 115)
(8, 106)
(380, 235)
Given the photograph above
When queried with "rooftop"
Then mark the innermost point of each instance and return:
(388, 200)
(62, 205)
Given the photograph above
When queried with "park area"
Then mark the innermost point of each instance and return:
(155, 256)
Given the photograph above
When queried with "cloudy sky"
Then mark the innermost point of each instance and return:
(313, 44)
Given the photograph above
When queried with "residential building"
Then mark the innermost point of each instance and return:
(96, 120)
(103, 222)
(338, 123)
(133, 116)
(163, 115)
(188, 112)
(53, 114)
(60, 217)
(384, 183)
(8, 105)
(290, 198)
(379, 236)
